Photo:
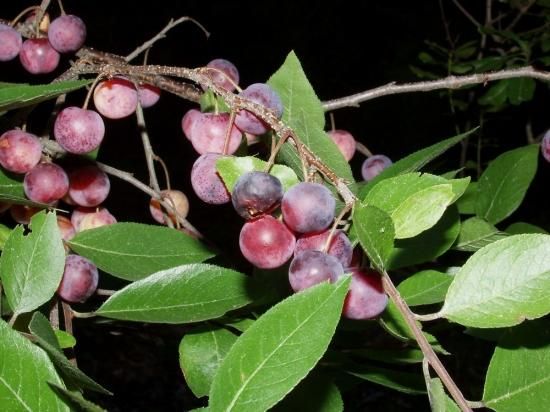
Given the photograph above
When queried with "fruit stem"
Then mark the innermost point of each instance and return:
(364, 150)
(22, 14)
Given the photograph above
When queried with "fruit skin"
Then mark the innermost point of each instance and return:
(38, 57)
(10, 43)
(67, 33)
(148, 95)
(373, 166)
(19, 151)
(189, 121)
(256, 193)
(79, 130)
(366, 298)
(345, 142)
(311, 267)
(545, 146)
(266, 242)
(175, 198)
(84, 218)
(340, 245)
(80, 279)
(116, 98)
(88, 186)
(263, 94)
(308, 207)
(208, 134)
(206, 182)
(226, 67)
(46, 183)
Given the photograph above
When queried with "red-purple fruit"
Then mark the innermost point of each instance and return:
(22, 214)
(263, 94)
(266, 242)
(224, 75)
(19, 151)
(174, 198)
(311, 267)
(79, 280)
(366, 298)
(79, 130)
(206, 181)
(148, 95)
(115, 98)
(209, 132)
(38, 56)
(67, 33)
(84, 218)
(339, 247)
(256, 193)
(46, 183)
(10, 43)
(189, 121)
(66, 228)
(308, 207)
(373, 166)
(545, 146)
(88, 186)
(345, 142)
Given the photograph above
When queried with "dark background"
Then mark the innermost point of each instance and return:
(345, 47)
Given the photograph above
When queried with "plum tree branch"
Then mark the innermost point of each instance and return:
(450, 82)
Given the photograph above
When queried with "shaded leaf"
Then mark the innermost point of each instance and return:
(520, 90)
(476, 233)
(467, 202)
(64, 340)
(519, 228)
(405, 382)
(75, 400)
(396, 356)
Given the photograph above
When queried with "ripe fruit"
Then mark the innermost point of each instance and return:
(345, 142)
(340, 246)
(206, 182)
(228, 71)
(38, 56)
(208, 134)
(311, 267)
(84, 218)
(263, 94)
(78, 130)
(308, 207)
(79, 280)
(373, 165)
(115, 98)
(266, 242)
(19, 151)
(66, 228)
(67, 33)
(88, 186)
(176, 199)
(366, 298)
(10, 43)
(22, 213)
(46, 183)
(256, 193)
(545, 146)
(189, 121)
(148, 95)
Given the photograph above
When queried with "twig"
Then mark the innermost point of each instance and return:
(449, 82)
(54, 314)
(467, 14)
(148, 149)
(364, 150)
(426, 348)
(521, 13)
(162, 34)
(105, 292)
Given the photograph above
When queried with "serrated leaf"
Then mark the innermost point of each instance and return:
(31, 266)
(304, 113)
(517, 378)
(476, 233)
(316, 393)
(277, 351)
(439, 401)
(231, 168)
(504, 183)
(425, 288)
(375, 231)
(200, 354)
(405, 382)
(75, 400)
(13, 96)
(428, 245)
(24, 375)
(414, 162)
(45, 338)
(188, 293)
(502, 284)
(133, 251)
(64, 340)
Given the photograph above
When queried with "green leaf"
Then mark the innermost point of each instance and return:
(31, 266)
(519, 228)
(520, 90)
(476, 233)
(429, 245)
(415, 201)
(374, 228)
(316, 393)
(304, 113)
(231, 168)
(133, 251)
(425, 288)
(277, 351)
(411, 383)
(24, 375)
(200, 354)
(502, 284)
(414, 162)
(65, 340)
(45, 338)
(467, 202)
(518, 378)
(188, 293)
(503, 185)
(75, 400)
(13, 96)
(396, 356)
(210, 102)
(439, 401)
(496, 95)
(4, 234)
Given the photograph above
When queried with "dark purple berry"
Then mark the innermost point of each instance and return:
(256, 193)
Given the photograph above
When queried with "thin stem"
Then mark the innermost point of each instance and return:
(522, 11)
(165, 170)
(105, 292)
(467, 14)
(90, 91)
(337, 221)
(162, 34)
(61, 8)
(23, 14)
(476, 404)
(13, 319)
(81, 315)
(228, 132)
(147, 148)
(332, 122)
(426, 318)
(364, 150)
(426, 348)
(449, 82)
(54, 314)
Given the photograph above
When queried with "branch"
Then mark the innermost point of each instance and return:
(466, 14)
(426, 348)
(450, 82)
